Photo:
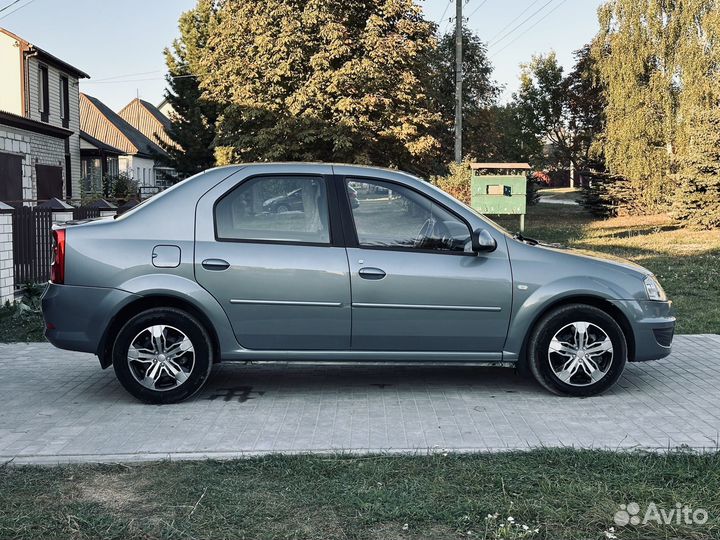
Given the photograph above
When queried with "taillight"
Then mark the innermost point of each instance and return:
(57, 270)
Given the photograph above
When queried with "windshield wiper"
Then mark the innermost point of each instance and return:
(531, 241)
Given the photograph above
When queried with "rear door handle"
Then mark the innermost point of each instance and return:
(215, 264)
(371, 273)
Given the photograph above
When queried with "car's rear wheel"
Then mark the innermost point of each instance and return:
(577, 350)
(162, 355)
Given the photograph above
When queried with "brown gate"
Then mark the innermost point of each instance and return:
(32, 244)
(11, 179)
(84, 212)
(49, 182)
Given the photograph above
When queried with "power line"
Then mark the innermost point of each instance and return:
(531, 27)
(17, 9)
(122, 81)
(477, 9)
(447, 6)
(523, 12)
(127, 75)
(526, 19)
(11, 4)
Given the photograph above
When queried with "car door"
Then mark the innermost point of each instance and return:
(416, 284)
(282, 277)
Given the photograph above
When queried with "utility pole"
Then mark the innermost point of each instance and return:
(458, 80)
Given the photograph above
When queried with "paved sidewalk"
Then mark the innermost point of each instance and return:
(58, 406)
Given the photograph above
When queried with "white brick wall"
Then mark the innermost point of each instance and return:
(35, 149)
(62, 217)
(7, 284)
(17, 141)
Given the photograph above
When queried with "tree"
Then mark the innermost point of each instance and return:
(697, 201)
(563, 113)
(508, 139)
(586, 102)
(322, 80)
(480, 92)
(194, 117)
(659, 61)
(542, 108)
(637, 52)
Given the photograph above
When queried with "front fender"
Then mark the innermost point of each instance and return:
(530, 303)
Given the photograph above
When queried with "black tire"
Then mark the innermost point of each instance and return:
(202, 358)
(539, 355)
(281, 209)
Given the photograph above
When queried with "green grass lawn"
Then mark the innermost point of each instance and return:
(16, 326)
(561, 493)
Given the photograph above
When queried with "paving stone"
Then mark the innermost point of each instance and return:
(60, 407)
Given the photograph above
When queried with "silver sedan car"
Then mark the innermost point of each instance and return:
(338, 263)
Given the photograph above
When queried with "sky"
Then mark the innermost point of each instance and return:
(120, 44)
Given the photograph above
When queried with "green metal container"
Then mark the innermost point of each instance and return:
(499, 194)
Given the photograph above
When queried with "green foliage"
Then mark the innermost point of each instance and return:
(506, 138)
(586, 100)
(22, 320)
(120, 187)
(697, 202)
(658, 61)
(561, 116)
(456, 182)
(194, 117)
(322, 80)
(540, 102)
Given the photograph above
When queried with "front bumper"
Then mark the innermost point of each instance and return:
(77, 317)
(653, 327)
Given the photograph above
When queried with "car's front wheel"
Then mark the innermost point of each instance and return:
(577, 350)
(162, 355)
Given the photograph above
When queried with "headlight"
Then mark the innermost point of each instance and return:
(654, 289)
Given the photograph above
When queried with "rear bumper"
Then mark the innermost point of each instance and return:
(76, 317)
(653, 328)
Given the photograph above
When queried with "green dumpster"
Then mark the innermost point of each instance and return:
(500, 188)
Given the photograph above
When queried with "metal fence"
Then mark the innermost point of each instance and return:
(85, 213)
(32, 244)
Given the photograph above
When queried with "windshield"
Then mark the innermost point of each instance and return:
(487, 219)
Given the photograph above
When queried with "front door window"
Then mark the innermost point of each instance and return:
(387, 215)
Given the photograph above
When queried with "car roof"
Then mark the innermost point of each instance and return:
(343, 169)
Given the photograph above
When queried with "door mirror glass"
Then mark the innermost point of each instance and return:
(482, 241)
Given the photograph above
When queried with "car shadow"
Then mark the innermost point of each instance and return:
(233, 381)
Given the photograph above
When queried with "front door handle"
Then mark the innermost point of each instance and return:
(371, 273)
(215, 264)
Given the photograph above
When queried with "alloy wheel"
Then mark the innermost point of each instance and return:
(161, 357)
(580, 354)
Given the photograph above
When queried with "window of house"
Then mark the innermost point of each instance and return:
(275, 208)
(65, 100)
(43, 93)
(113, 167)
(391, 216)
(91, 174)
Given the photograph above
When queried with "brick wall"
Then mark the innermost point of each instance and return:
(17, 141)
(7, 282)
(35, 149)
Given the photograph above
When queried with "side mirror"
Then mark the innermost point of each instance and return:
(482, 241)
